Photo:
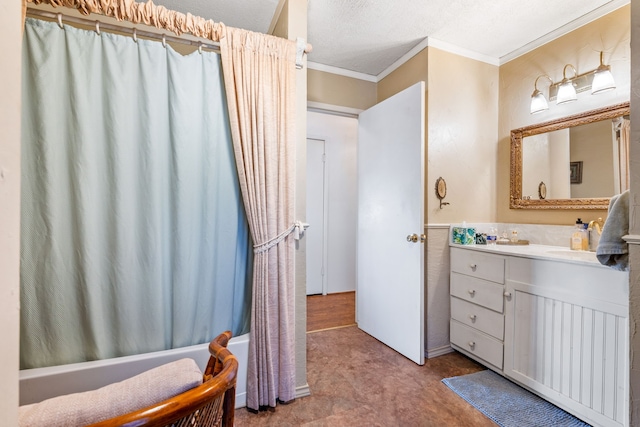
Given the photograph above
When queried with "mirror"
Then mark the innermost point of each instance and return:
(577, 162)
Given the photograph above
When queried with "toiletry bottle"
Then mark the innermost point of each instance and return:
(492, 236)
(577, 235)
(585, 237)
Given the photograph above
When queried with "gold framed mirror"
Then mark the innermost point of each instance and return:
(551, 150)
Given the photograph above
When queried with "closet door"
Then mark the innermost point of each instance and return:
(390, 250)
(316, 216)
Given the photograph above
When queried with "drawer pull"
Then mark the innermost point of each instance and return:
(472, 317)
(507, 294)
(472, 344)
(472, 292)
(473, 266)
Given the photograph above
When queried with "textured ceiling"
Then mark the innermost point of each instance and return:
(368, 36)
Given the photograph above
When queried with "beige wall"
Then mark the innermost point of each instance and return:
(580, 48)
(462, 135)
(10, 46)
(333, 89)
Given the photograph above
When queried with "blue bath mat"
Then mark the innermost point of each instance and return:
(507, 404)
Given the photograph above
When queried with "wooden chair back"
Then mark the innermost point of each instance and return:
(211, 404)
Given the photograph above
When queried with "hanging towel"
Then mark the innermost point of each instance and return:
(612, 250)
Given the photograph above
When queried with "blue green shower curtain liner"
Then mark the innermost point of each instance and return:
(133, 234)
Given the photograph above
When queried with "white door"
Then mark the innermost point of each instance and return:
(316, 217)
(390, 289)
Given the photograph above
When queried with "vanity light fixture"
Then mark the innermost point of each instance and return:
(598, 81)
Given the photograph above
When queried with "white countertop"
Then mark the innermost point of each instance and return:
(553, 253)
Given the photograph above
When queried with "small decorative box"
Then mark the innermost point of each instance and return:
(464, 235)
(481, 239)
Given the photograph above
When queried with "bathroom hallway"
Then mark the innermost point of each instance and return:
(357, 381)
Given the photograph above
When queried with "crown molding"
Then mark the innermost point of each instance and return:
(427, 42)
(341, 72)
(404, 58)
(565, 29)
(451, 48)
(460, 51)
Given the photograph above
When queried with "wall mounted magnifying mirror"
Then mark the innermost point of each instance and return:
(546, 152)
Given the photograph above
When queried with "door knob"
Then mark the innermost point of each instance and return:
(414, 238)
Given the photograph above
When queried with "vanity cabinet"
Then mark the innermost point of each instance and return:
(477, 305)
(558, 328)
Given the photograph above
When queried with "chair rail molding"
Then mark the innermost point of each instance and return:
(632, 239)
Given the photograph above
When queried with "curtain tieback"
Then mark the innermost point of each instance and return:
(297, 228)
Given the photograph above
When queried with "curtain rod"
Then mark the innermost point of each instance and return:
(134, 32)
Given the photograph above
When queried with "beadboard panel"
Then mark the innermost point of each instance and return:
(437, 283)
(572, 353)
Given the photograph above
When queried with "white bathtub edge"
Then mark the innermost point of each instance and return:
(39, 384)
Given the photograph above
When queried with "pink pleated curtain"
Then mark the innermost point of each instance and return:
(259, 74)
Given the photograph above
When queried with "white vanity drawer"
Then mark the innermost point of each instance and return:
(478, 317)
(477, 343)
(481, 292)
(477, 264)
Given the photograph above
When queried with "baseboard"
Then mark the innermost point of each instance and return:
(438, 351)
(241, 400)
(303, 391)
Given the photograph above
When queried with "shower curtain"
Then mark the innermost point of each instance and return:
(133, 235)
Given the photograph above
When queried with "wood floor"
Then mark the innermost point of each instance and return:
(331, 311)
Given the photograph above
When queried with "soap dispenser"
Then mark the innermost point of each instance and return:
(579, 237)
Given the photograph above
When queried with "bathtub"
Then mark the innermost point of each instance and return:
(39, 384)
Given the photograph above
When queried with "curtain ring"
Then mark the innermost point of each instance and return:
(200, 48)
(98, 27)
(164, 41)
(59, 16)
(135, 35)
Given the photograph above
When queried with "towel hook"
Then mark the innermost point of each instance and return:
(135, 35)
(164, 41)
(59, 16)
(98, 27)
